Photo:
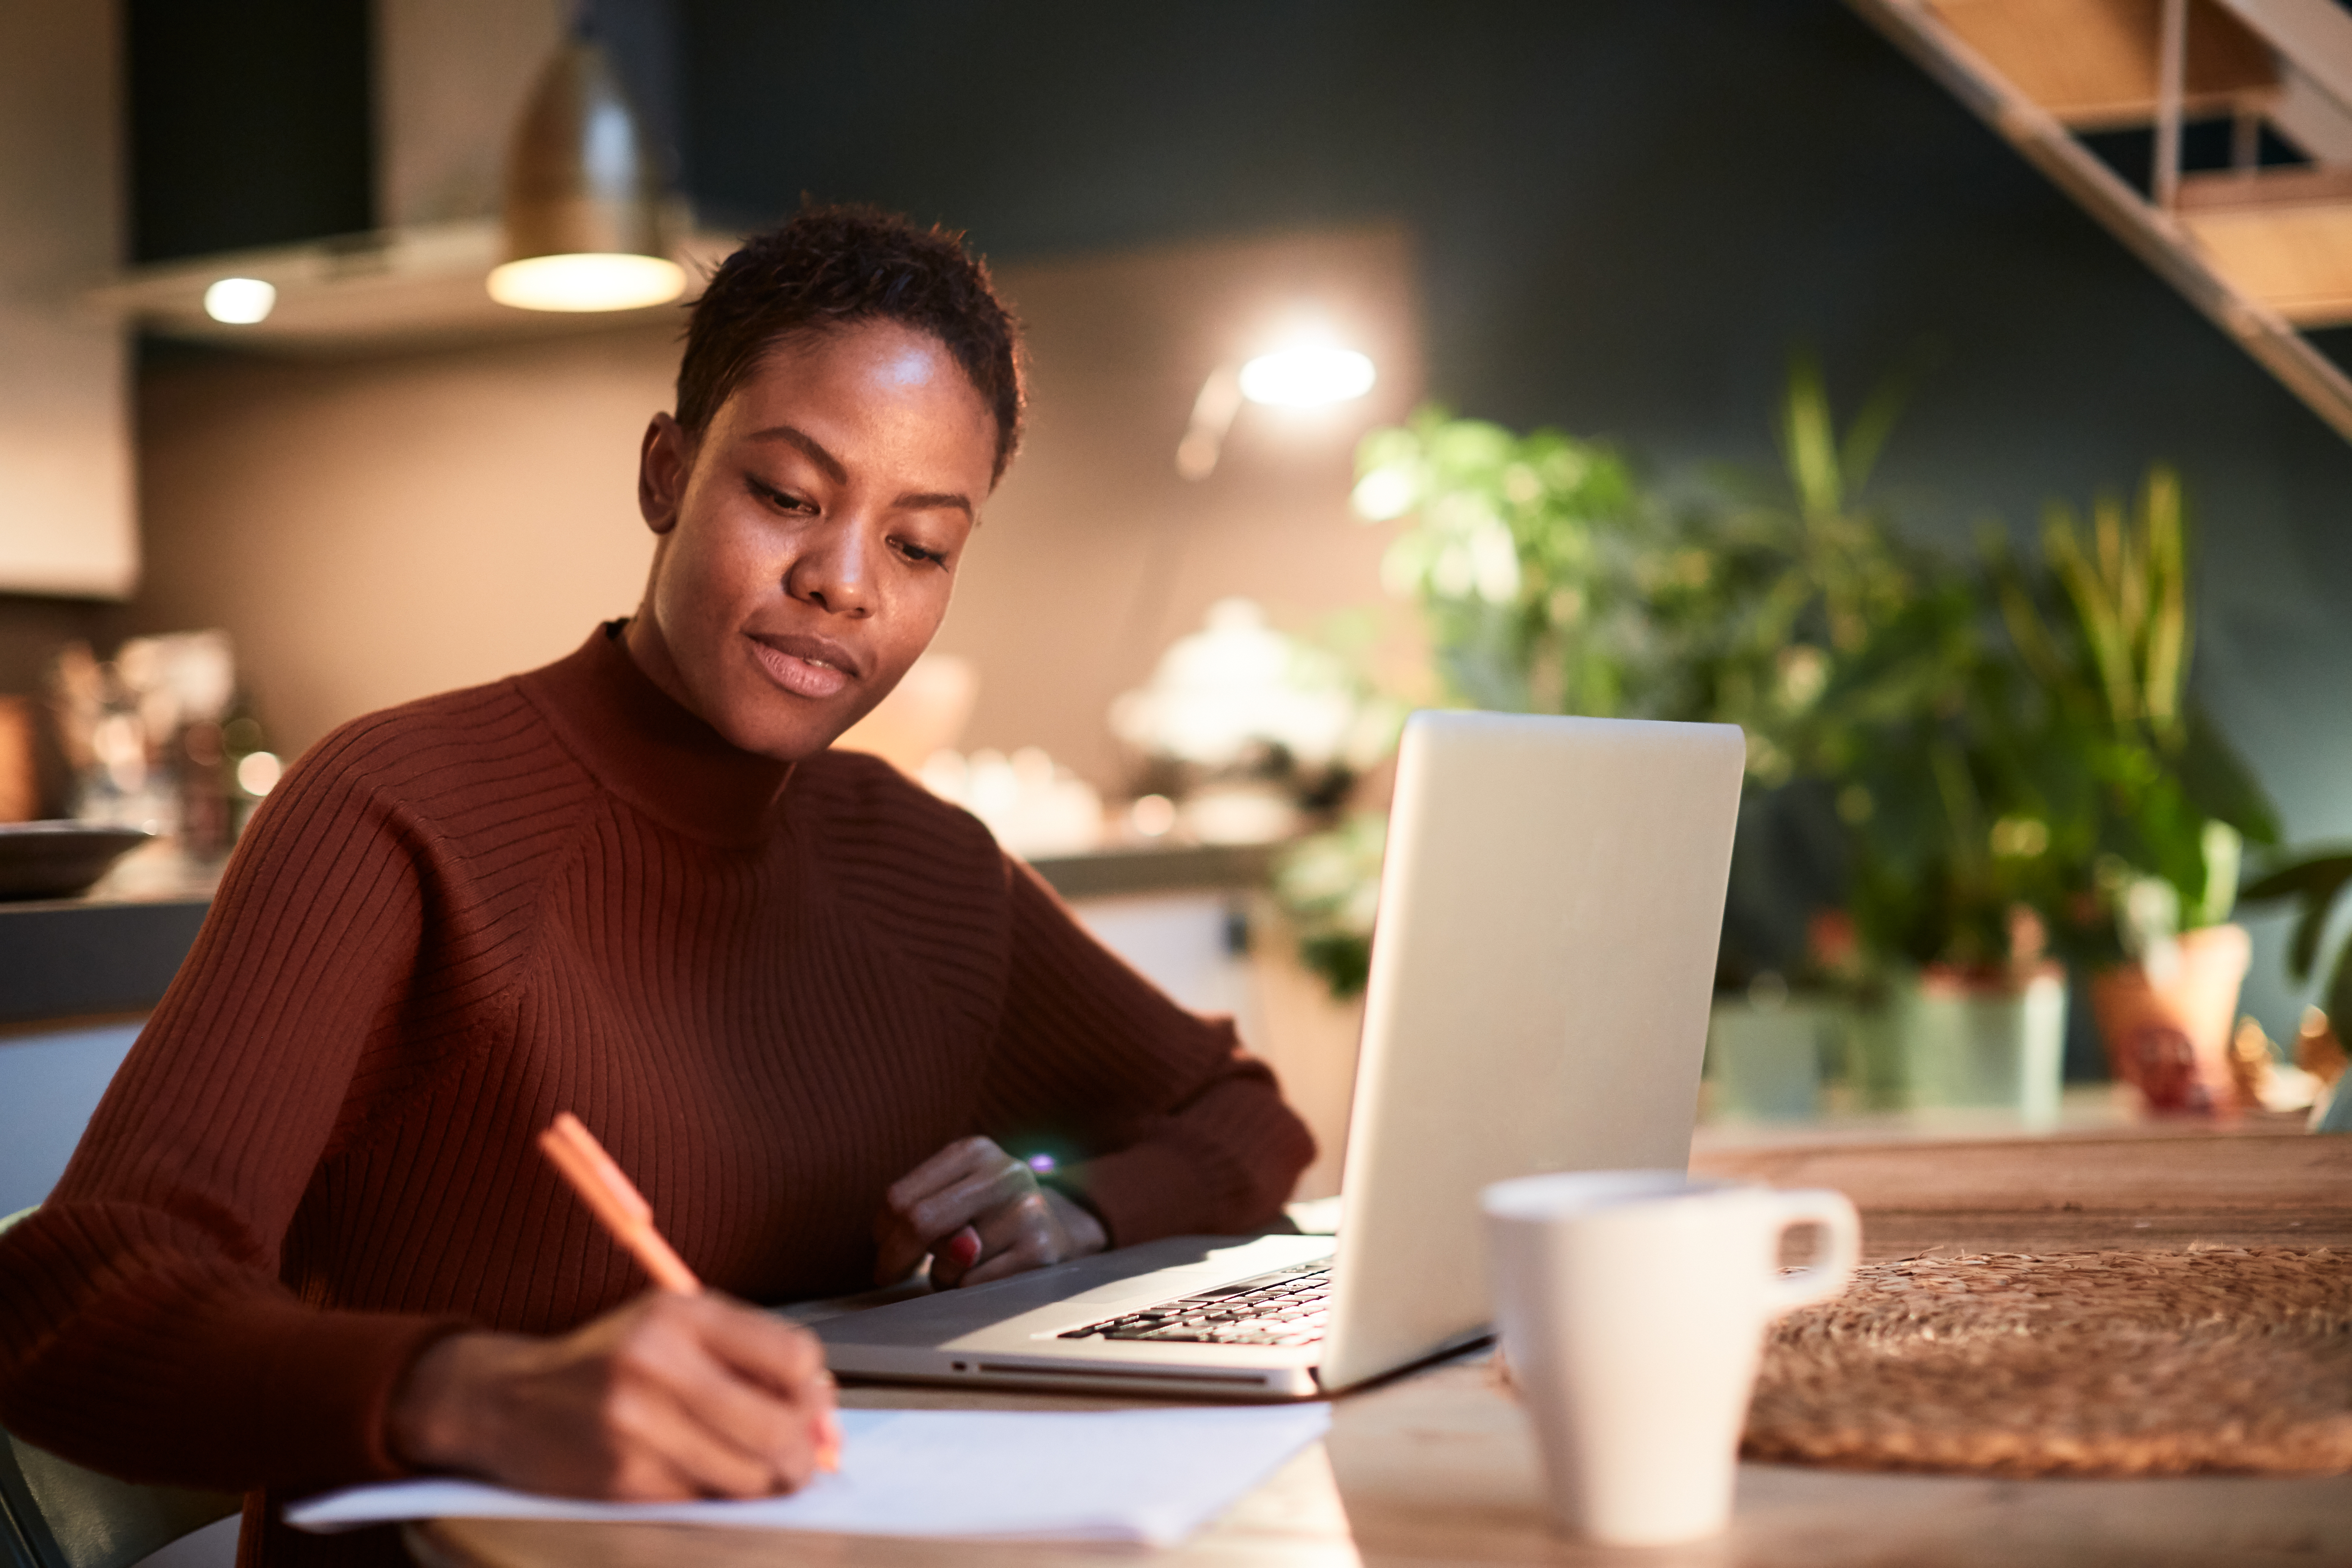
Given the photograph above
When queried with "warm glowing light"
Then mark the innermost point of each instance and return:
(1307, 376)
(257, 773)
(1383, 494)
(587, 282)
(240, 301)
(1153, 814)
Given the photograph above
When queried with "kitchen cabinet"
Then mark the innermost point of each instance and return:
(68, 524)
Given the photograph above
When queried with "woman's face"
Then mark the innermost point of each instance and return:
(809, 535)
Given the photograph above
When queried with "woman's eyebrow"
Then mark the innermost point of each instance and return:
(916, 501)
(810, 445)
(927, 500)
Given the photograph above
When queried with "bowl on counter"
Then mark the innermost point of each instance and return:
(58, 859)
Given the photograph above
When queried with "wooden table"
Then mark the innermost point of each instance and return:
(2144, 1189)
(1437, 1466)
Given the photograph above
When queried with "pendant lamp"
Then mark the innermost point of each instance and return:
(584, 196)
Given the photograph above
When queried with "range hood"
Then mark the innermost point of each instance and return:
(451, 80)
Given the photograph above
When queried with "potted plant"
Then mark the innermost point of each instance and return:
(2106, 627)
(1546, 582)
(1914, 731)
(1949, 868)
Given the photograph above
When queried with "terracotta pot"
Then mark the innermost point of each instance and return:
(2168, 1031)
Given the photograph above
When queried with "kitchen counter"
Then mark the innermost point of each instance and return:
(93, 956)
(1158, 869)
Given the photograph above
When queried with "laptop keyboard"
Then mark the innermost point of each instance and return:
(1287, 1307)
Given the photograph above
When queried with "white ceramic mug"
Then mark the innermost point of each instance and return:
(1632, 1307)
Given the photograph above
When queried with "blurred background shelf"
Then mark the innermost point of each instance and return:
(1178, 867)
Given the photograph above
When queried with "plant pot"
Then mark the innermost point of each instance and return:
(2167, 1027)
(1765, 1062)
(1946, 1039)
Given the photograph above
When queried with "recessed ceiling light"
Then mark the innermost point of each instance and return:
(239, 301)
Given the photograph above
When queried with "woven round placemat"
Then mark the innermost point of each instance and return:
(2081, 1363)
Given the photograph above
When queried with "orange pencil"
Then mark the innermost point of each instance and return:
(616, 1202)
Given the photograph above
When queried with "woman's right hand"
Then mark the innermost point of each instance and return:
(670, 1397)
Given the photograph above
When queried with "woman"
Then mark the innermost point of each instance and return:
(817, 1014)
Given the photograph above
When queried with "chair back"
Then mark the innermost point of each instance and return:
(54, 1514)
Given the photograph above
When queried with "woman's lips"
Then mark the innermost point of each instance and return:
(804, 667)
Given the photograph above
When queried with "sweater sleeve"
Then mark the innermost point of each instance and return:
(1163, 1124)
(144, 1329)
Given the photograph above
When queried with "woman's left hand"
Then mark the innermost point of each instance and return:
(982, 1215)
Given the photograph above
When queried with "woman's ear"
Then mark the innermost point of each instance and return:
(665, 460)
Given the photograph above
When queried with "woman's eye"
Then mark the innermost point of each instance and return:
(920, 555)
(778, 499)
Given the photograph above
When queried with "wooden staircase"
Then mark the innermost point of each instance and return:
(2265, 252)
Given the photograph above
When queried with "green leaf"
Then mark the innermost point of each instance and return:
(1867, 435)
(2297, 877)
(2027, 630)
(2313, 882)
(1808, 437)
(2168, 628)
(2337, 1002)
(2217, 781)
(2088, 585)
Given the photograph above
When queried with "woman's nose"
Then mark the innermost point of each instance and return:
(833, 571)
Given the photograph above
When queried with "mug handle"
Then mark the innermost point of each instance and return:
(1833, 1263)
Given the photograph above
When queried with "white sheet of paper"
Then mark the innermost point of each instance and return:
(1151, 1475)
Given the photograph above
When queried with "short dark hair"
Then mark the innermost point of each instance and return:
(831, 266)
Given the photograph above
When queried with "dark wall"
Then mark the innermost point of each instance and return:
(1629, 211)
(250, 123)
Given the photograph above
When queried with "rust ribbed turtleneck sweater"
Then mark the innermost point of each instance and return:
(770, 991)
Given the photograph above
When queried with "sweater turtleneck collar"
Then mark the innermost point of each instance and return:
(643, 746)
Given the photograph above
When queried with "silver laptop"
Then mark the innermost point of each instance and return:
(1549, 915)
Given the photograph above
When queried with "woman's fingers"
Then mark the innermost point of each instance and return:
(982, 1215)
(951, 1164)
(1046, 1228)
(780, 1355)
(896, 1251)
(666, 1446)
(739, 1400)
(941, 1209)
(900, 1242)
(1017, 1237)
(672, 1396)
(926, 1209)
(788, 1362)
